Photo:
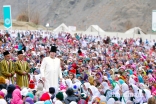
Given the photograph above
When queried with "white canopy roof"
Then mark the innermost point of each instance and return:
(135, 30)
(94, 28)
(62, 28)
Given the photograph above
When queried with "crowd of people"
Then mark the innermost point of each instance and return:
(94, 69)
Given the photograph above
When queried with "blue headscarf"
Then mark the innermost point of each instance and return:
(140, 79)
(65, 73)
(20, 46)
(130, 72)
(108, 75)
(47, 102)
(121, 81)
(110, 80)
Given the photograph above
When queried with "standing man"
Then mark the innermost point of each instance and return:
(1, 42)
(51, 70)
(7, 68)
(1, 50)
(22, 70)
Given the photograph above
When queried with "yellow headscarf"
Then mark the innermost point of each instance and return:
(91, 80)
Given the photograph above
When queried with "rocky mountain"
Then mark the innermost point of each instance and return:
(110, 15)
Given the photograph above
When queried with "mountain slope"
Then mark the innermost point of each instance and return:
(111, 15)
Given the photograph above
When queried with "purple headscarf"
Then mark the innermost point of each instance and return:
(29, 100)
(100, 80)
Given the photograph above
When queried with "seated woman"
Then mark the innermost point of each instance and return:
(85, 87)
(136, 94)
(68, 83)
(93, 93)
(104, 90)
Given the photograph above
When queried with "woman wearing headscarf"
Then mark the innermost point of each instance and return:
(10, 90)
(146, 95)
(111, 101)
(140, 78)
(39, 91)
(68, 83)
(124, 93)
(130, 72)
(142, 86)
(86, 85)
(2, 101)
(105, 90)
(36, 79)
(17, 97)
(136, 94)
(93, 93)
(29, 100)
(121, 82)
(91, 80)
(72, 77)
(112, 73)
(99, 77)
(114, 91)
(131, 79)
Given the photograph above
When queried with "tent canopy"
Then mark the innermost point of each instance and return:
(61, 28)
(135, 30)
(94, 28)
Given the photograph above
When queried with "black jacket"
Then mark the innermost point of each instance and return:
(70, 99)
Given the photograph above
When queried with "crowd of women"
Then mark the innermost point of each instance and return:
(95, 69)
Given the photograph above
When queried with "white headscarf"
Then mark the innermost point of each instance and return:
(103, 98)
(68, 82)
(137, 94)
(73, 102)
(37, 77)
(131, 80)
(87, 85)
(125, 91)
(142, 86)
(147, 93)
(105, 85)
(2, 101)
(115, 91)
(124, 87)
(58, 102)
(116, 88)
(95, 91)
(135, 88)
(111, 101)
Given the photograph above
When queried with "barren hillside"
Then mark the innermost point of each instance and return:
(111, 15)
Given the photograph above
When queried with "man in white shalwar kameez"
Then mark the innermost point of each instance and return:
(51, 70)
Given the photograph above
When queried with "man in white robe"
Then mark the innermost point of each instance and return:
(51, 70)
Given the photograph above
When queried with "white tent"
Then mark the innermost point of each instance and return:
(94, 28)
(135, 30)
(62, 28)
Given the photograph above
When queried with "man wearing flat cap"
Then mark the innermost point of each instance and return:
(22, 70)
(7, 68)
(51, 70)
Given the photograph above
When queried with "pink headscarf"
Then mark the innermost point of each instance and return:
(16, 46)
(153, 89)
(151, 79)
(62, 87)
(123, 67)
(133, 66)
(154, 93)
(1, 94)
(17, 97)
